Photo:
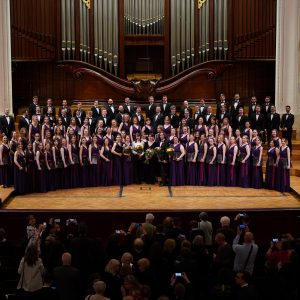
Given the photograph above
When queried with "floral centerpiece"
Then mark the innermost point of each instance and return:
(148, 155)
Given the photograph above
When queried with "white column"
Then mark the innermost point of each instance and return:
(5, 58)
(287, 83)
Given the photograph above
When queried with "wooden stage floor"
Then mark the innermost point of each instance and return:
(154, 198)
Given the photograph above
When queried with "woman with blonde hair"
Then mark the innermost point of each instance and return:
(112, 279)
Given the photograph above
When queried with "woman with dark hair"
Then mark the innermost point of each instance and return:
(64, 152)
(107, 164)
(147, 129)
(211, 163)
(167, 126)
(58, 163)
(202, 152)
(150, 160)
(84, 162)
(191, 158)
(137, 160)
(201, 127)
(117, 151)
(244, 159)
(231, 156)
(271, 166)
(5, 163)
(73, 126)
(135, 129)
(94, 158)
(30, 166)
(74, 159)
(257, 176)
(31, 270)
(214, 127)
(20, 170)
(128, 161)
(50, 168)
(283, 169)
(41, 169)
(221, 159)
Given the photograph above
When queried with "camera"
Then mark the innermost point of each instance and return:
(118, 231)
(56, 220)
(241, 215)
(178, 274)
(72, 220)
(243, 226)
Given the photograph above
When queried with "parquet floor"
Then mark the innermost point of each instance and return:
(153, 197)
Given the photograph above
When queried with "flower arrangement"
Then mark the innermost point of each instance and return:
(170, 151)
(148, 155)
(139, 149)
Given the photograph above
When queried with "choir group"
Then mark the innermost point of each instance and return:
(119, 146)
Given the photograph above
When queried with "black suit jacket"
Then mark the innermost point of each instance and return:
(174, 120)
(95, 113)
(92, 124)
(141, 120)
(182, 111)
(163, 154)
(66, 122)
(107, 122)
(240, 124)
(266, 109)
(203, 110)
(274, 123)
(287, 122)
(79, 121)
(150, 111)
(219, 104)
(235, 111)
(45, 109)
(126, 110)
(251, 110)
(68, 111)
(110, 112)
(32, 109)
(67, 282)
(220, 118)
(7, 128)
(157, 121)
(207, 119)
(190, 123)
(41, 120)
(165, 111)
(23, 123)
(83, 114)
(119, 118)
(258, 124)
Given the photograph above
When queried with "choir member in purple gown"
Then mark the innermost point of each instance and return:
(171, 137)
(85, 126)
(58, 163)
(20, 170)
(247, 131)
(74, 127)
(167, 126)
(109, 136)
(202, 152)
(64, 151)
(163, 159)
(177, 164)
(127, 162)
(191, 159)
(244, 159)
(114, 128)
(5, 163)
(148, 129)
(99, 136)
(184, 137)
(84, 162)
(87, 137)
(238, 138)
(106, 164)
(30, 167)
(231, 156)
(117, 151)
(46, 127)
(227, 129)
(50, 168)
(41, 169)
(125, 124)
(210, 160)
(135, 129)
(275, 138)
(37, 140)
(257, 176)
(150, 163)
(61, 127)
(94, 158)
(221, 160)
(201, 127)
(283, 169)
(138, 160)
(74, 167)
(214, 127)
(271, 166)
(34, 128)
(254, 138)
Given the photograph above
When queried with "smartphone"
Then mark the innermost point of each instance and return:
(45, 224)
(118, 231)
(275, 240)
(72, 220)
(242, 215)
(178, 274)
(56, 220)
(243, 226)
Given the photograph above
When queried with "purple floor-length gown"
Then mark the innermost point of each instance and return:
(201, 172)
(221, 168)
(20, 175)
(283, 174)
(231, 169)
(244, 176)
(118, 166)
(191, 174)
(257, 176)
(176, 168)
(270, 180)
(107, 168)
(211, 168)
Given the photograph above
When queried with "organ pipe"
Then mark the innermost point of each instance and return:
(63, 29)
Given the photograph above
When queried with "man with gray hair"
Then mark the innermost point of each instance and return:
(148, 227)
(226, 230)
(245, 254)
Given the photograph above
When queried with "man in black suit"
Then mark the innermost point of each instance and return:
(7, 123)
(287, 122)
(39, 115)
(65, 118)
(272, 121)
(197, 114)
(51, 116)
(257, 121)
(128, 108)
(173, 117)
(105, 118)
(202, 107)
(119, 115)
(67, 279)
(189, 120)
(266, 106)
(24, 121)
(96, 111)
(138, 114)
(78, 118)
(66, 108)
(165, 107)
(92, 122)
(246, 291)
(111, 109)
(252, 107)
(185, 108)
(240, 120)
(150, 108)
(79, 111)
(220, 103)
(235, 106)
(208, 116)
(33, 106)
(157, 119)
(223, 114)
(49, 105)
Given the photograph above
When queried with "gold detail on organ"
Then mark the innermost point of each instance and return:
(87, 3)
(200, 3)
